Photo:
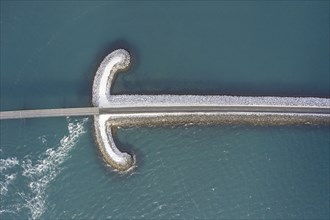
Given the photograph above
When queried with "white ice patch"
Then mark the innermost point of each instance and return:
(40, 173)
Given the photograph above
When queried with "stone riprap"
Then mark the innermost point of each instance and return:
(104, 124)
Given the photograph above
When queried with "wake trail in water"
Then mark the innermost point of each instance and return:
(37, 174)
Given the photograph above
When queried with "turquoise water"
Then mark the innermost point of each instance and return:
(50, 168)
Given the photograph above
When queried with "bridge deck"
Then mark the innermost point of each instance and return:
(89, 111)
(41, 113)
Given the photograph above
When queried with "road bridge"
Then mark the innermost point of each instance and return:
(93, 111)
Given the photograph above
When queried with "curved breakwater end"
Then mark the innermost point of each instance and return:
(120, 161)
(118, 60)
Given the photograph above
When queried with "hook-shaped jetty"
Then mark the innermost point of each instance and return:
(121, 110)
(116, 61)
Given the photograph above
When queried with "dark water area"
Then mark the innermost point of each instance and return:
(51, 168)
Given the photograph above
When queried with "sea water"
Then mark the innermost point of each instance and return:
(51, 168)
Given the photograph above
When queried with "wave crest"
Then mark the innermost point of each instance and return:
(39, 173)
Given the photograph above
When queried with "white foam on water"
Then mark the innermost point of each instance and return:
(40, 173)
(6, 177)
(8, 163)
